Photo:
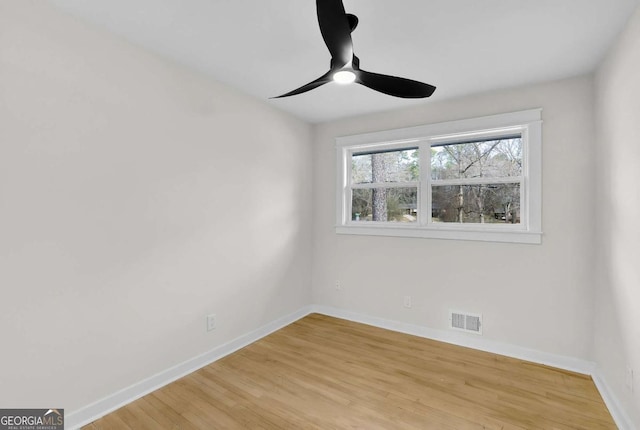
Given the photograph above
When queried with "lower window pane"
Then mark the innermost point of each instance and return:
(486, 203)
(385, 204)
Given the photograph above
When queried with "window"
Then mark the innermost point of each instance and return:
(477, 179)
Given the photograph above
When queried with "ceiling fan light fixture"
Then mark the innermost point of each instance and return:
(336, 27)
(344, 76)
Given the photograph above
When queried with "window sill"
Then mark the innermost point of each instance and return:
(467, 233)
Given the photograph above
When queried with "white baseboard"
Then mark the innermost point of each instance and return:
(623, 421)
(462, 339)
(92, 412)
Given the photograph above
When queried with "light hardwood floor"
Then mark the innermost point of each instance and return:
(326, 373)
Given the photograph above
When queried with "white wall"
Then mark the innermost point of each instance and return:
(135, 198)
(617, 342)
(535, 296)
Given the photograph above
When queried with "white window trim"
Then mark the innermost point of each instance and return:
(528, 122)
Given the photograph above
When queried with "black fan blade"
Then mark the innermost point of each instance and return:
(394, 86)
(336, 31)
(324, 79)
(353, 21)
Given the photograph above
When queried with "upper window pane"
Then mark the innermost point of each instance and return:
(387, 166)
(498, 158)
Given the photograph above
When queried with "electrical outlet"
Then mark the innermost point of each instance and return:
(629, 378)
(338, 286)
(211, 322)
(407, 301)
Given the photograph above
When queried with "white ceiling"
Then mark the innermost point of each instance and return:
(268, 47)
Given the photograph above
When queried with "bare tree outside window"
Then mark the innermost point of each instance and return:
(379, 173)
(464, 196)
(385, 186)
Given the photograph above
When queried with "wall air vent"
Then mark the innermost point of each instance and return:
(471, 323)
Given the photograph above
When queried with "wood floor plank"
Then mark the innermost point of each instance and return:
(112, 421)
(326, 373)
(169, 416)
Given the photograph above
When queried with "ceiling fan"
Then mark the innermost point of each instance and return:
(336, 27)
